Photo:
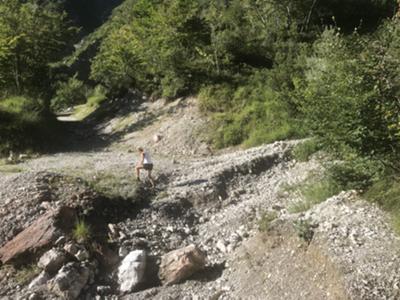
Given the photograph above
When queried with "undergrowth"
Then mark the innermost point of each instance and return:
(386, 193)
(25, 125)
(81, 231)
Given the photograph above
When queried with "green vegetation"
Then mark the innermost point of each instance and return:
(303, 151)
(264, 71)
(386, 193)
(313, 192)
(304, 230)
(81, 231)
(24, 124)
(264, 224)
(25, 274)
(114, 185)
(95, 97)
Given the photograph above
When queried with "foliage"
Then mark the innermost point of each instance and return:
(252, 113)
(26, 273)
(70, 93)
(81, 231)
(304, 229)
(314, 192)
(350, 92)
(264, 224)
(386, 193)
(32, 34)
(303, 151)
(24, 124)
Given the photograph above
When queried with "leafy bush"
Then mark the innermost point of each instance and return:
(349, 92)
(69, 93)
(24, 124)
(304, 230)
(96, 96)
(355, 172)
(386, 193)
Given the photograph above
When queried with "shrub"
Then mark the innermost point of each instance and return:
(69, 93)
(386, 193)
(81, 231)
(355, 172)
(26, 273)
(304, 229)
(96, 96)
(25, 125)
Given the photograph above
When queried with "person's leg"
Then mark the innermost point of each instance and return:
(150, 177)
(138, 168)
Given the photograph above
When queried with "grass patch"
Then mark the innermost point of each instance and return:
(94, 100)
(10, 169)
(303, 151)
(81, 232)
(386, 193)
(315, 192)
(264, 224)
(114, 185)
(26, 274)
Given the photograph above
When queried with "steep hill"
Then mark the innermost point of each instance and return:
(235, 206)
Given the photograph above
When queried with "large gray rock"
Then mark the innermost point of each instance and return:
(131, 271)
(180, 264)
(40, 280)
(69, 281)
(52, 261)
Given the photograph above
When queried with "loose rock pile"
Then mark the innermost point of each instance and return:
(185, 240)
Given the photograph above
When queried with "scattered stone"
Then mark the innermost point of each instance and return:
(52, 261)
(132, 270)
(71, 248)
(82, 255)
(69, 281)
(180, 264)
(60, 241)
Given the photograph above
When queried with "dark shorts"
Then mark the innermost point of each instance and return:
(148, 167)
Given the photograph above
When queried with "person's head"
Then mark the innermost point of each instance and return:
(140, 149)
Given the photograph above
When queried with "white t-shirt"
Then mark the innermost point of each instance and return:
(147, 158)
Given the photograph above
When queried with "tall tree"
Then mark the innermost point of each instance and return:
(32, 35)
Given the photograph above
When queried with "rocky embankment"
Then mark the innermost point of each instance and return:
(196, 236)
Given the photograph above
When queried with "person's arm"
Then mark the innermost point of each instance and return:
(142, 158)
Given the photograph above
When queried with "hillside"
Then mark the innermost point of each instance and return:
(234, 206)
(274, 128)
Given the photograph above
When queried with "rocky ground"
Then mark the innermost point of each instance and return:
(216, 226)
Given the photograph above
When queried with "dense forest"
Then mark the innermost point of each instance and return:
(262, 70)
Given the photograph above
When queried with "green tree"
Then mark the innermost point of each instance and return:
(32, 35)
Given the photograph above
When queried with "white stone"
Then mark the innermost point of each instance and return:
(41, 279)
(82, 255)
(69, 281)
(52, 261)
(131, 270)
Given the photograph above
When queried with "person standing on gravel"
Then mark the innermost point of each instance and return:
(146, 163)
